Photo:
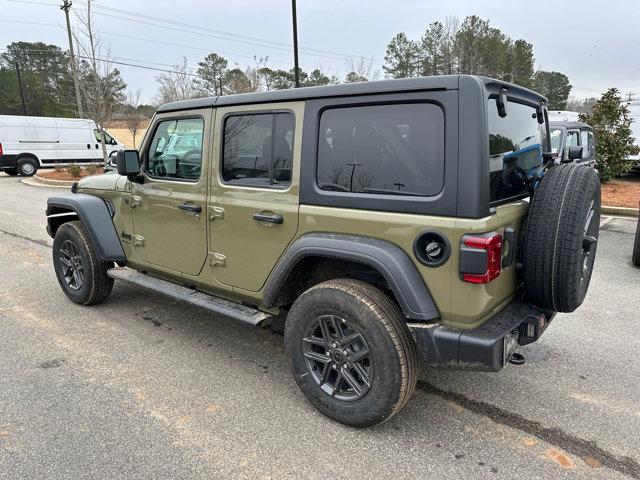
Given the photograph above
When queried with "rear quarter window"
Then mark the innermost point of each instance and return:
(516, 143)
(395, 149)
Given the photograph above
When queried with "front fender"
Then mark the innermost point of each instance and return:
(388, 259)
(95, 215)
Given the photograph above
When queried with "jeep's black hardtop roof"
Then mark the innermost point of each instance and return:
(569, 125)
(441, 82)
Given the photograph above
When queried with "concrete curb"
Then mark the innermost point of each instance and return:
(37, 181)
(625, 211)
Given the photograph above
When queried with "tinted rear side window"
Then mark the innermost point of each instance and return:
(382, 149)
(515, 149)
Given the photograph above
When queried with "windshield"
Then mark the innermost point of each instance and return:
(556, 140)
(515, 149)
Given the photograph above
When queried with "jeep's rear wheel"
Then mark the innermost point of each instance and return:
(81, 275)
(561, 237)
(351, 352)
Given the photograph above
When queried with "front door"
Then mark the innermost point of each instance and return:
(169, 206)
(254, 198)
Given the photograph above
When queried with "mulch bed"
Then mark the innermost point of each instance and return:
(622, 192)
(64, 175)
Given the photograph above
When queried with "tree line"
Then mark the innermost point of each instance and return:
(474, 47)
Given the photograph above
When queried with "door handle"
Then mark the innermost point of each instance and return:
(97, 147)
(190, 208)
(88, 146)
(275, 218)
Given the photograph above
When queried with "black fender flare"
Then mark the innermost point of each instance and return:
(386, 258)
(96, 216)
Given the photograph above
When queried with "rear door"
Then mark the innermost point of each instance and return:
(253, 207)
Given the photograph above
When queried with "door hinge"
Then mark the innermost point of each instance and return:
(217, 260)
(133, 201)
(215, 212)
(135, 240)
(138, 241)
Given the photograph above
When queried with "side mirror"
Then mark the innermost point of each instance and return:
(128, 162)
(575, 153)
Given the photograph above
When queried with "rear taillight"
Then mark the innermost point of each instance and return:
(480, 257)
(0, 149)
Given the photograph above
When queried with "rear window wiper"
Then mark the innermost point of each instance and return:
(384, 191)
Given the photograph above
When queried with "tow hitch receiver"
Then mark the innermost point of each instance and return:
(532, 328)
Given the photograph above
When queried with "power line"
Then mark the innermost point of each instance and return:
(219, 34)
(29, 23)
(222, 32)
(116, 61)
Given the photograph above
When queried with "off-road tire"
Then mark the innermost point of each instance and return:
(636, 247)
(11, 171)
(95, 285)
(27, 166)
(382, 326)
(558, 255)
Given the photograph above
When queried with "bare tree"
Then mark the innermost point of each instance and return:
(101, 85)
(132, 119)
(177, 85)
(362, 70)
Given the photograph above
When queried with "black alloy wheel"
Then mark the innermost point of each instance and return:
(338, 358)
(72, 269)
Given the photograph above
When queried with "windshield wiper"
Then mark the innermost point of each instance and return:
(385, 191)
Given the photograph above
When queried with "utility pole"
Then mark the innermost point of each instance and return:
(295, 43)
(74, 66)
(24, 105)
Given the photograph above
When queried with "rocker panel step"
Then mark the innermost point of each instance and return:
(178, 292)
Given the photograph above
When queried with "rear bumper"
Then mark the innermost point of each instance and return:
(486, 347)
(8, 161)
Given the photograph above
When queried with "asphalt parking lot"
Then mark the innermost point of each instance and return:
(143, 387)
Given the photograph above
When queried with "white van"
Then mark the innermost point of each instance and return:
(29, 143)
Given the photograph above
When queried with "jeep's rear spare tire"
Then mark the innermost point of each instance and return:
(561, 237)
(351, 352)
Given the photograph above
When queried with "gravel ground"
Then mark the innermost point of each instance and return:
(142, 387)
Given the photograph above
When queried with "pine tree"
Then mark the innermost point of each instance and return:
(613, 138)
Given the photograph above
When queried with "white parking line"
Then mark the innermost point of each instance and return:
(605, 220)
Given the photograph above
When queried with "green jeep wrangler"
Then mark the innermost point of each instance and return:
(392, 222)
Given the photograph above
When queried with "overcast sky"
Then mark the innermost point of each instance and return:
(595, 42)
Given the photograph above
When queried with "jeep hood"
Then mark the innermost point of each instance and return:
(105, 181)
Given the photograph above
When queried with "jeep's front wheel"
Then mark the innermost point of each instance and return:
(81, 275)
(351, 352)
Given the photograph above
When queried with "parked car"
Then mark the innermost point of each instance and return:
(572, 142)
(30, 143)
(392, 222)
(634, 114)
